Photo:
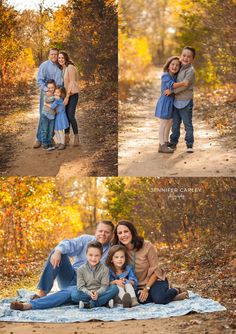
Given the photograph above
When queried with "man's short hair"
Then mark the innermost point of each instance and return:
(95, 244)
(107, 222)
(54, 49)
(190, 49)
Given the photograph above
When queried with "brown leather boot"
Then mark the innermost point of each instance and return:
(76, 140)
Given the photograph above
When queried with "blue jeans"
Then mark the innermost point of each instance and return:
(70, 113)
(39, 131)
(47, 129)
(53, 300)
(65, 274)
(184, 115)
(160, 293)
(110, 293)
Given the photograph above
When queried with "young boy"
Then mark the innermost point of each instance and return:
(48, 117)
(183, 103)
(93, 288)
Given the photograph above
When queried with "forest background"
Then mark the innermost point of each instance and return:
(190, 220)
(152, 31)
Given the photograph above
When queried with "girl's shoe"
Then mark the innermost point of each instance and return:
(134, 302)
(67, 138)
(165, 149)
(126, 300)
(61, 147)
(76, 140)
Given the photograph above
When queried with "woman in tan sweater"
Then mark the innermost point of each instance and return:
(153, 286)
(71, 84)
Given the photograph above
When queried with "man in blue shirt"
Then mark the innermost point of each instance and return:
(58, 264)
(48, 70)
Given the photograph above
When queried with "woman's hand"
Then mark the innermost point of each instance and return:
(143, 295)
(66, 100)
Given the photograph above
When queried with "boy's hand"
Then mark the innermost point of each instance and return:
(167, 92)
(185, 83)
(94, 295)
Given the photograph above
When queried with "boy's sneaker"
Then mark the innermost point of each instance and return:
(172, 145)
(189, 149)
(50, 148)
(45, 147)
(81, 304)
(111, 303)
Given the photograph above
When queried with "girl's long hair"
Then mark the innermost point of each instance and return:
(167, 64)
(114, 249)
(68, 61)
(137, 240)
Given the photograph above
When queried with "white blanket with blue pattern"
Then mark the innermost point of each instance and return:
(72, 313)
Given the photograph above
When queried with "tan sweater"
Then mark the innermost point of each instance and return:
(146, 263)
(71, 79)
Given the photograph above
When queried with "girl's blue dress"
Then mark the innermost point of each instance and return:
(61, 121)
(164, 107)
(127, 273)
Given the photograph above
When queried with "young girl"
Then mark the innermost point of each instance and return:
(164, 107)
(122, 275)
(61, 122)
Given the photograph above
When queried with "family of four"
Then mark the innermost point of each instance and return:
(58, 81)
(116, 265)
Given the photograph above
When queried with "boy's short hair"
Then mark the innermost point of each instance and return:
(190, 49)
(51, 81)
(107, 222)
(94, 244)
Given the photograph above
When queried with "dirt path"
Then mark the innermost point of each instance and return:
(138, 142)
(90, 158)
(214, 323)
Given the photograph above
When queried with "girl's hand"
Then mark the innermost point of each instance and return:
(167, 92)
(121, 282)
(66, 100)
(94, 295)
(143, 294)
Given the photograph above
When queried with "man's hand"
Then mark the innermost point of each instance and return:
(143, 294)
(94, 295)
(167, 92)
(55, 259)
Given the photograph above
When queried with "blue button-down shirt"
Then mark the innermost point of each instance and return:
(48, 71)
(76, 248)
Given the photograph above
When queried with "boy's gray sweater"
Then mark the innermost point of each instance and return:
(186, 73)
(93, 279)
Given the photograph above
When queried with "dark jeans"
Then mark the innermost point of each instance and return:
(65, 274)
(160, 293)
(47, 129)
(70, 112)
(184, 115)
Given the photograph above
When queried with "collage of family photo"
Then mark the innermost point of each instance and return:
(117, 166)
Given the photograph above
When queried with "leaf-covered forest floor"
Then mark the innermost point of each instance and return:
(97, 120)
(214, 122)
(207, 268)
